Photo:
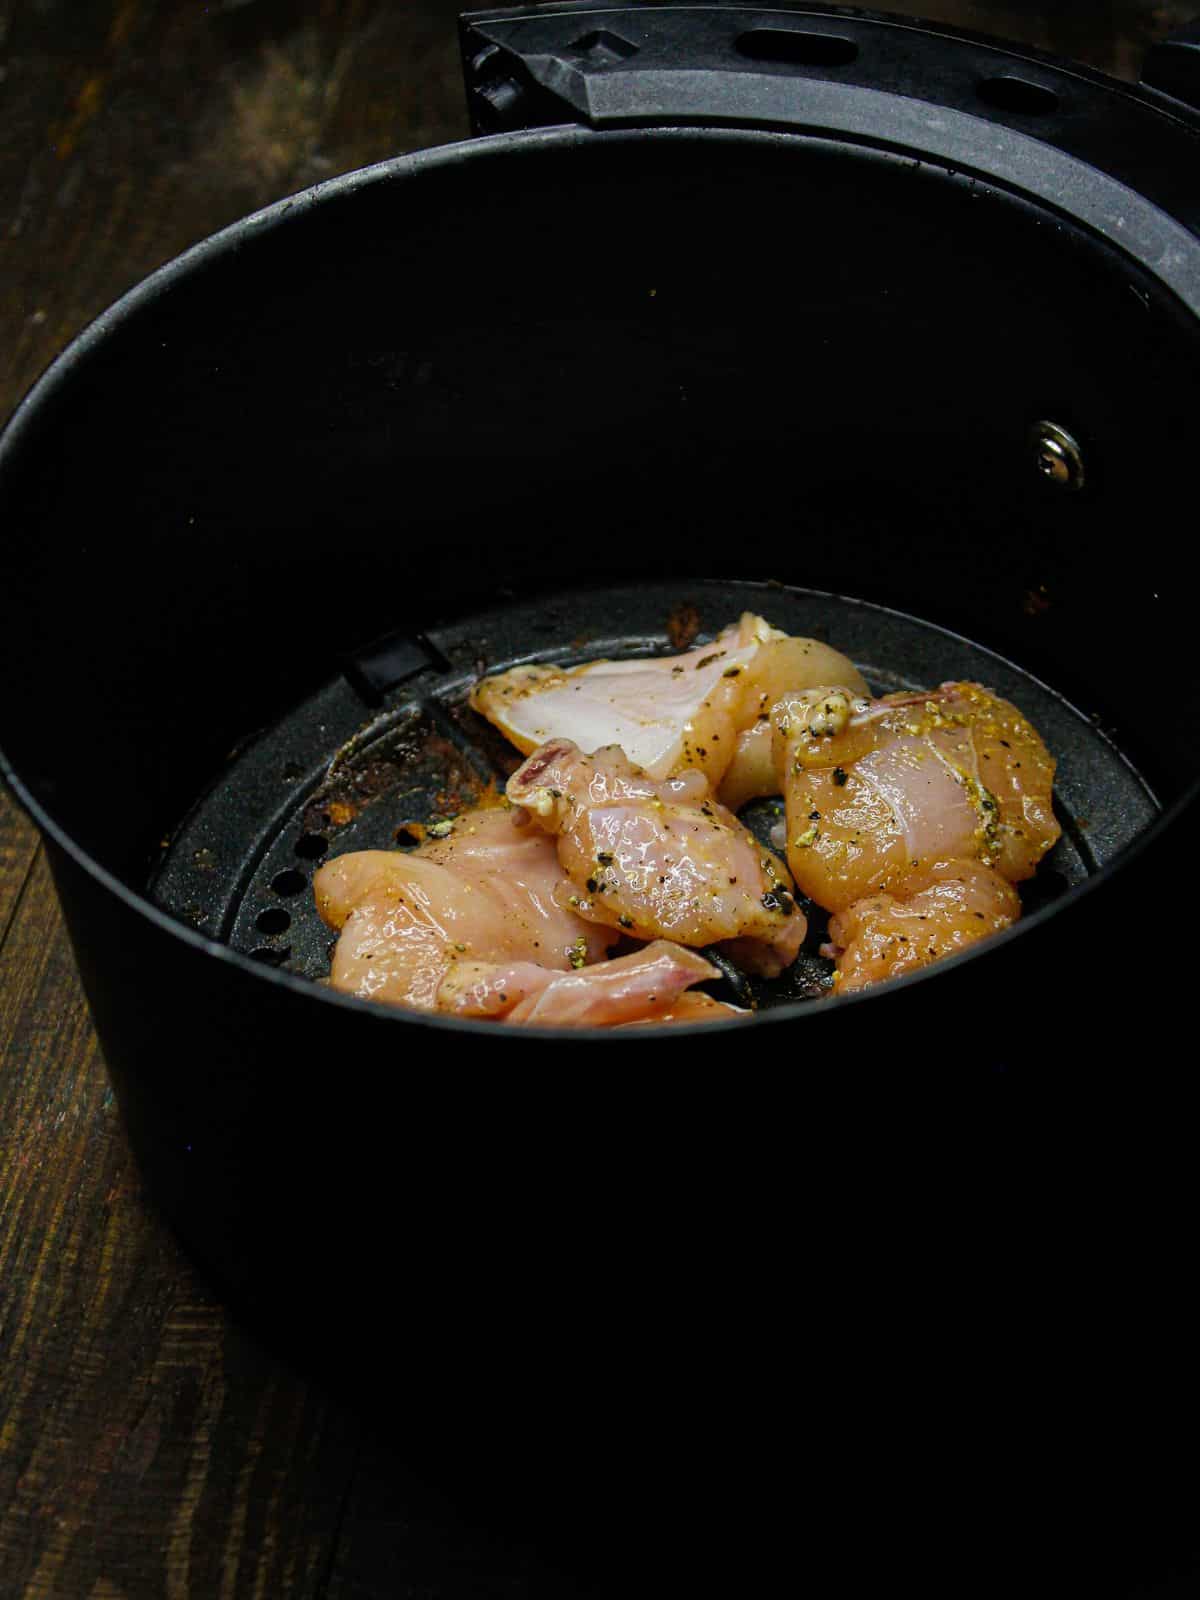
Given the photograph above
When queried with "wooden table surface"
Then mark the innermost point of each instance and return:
(149, 1447)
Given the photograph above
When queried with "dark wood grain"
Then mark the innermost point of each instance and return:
(18, 846)
(144, 1443)
(1109, 34)
(149, 1446)
(133, 129)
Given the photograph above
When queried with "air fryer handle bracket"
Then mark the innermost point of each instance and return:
(1172, 64)
(604, 65)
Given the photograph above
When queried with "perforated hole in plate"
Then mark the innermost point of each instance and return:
(1005, 92)
(271, 955)
(797, 47)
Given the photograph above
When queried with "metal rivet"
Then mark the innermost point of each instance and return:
(1056, 455)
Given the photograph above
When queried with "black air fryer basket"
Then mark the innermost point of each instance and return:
(886, 332)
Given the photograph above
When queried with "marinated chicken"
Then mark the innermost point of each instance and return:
(669, 713)
(660, 860)
(694, 1006)
(946, 907)
(878, 789)
(646, 986)
(485, 892)
(908, 817)
(475, 924)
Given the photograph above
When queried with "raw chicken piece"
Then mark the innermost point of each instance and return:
(659, 860)
(751, 774)
(947, 906)
(783, 666)
(474, 924)
(646, 986)
(877, 789)
(487, 892)
(669, 713)
(694, 1006)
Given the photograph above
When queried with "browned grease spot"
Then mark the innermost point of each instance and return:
(490, 797)
(387, 776)
(452, 803)
(683, 625)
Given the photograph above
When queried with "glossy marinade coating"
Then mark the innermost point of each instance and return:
(875, 790)
(659, 860)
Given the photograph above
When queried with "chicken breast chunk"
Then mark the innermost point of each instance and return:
(669, 713)
(876, 790)
(645, 986)
(947, 907)
(486, 892)
(659, 860)
(476, 924)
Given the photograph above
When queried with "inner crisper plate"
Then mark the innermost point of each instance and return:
(392, 742)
